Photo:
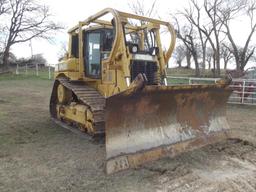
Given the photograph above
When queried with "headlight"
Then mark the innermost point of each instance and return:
(134, 49)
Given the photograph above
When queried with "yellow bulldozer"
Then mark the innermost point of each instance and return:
(113, 82)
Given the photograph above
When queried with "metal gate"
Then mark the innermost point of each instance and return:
(244, 90)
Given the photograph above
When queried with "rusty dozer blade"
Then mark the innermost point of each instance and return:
(157, 121)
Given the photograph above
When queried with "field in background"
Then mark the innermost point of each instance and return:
(30, 72)
(185, 72)
(43, 72)
(37, 155)
(243, 95)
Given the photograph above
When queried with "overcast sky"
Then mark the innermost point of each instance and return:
(70, 12)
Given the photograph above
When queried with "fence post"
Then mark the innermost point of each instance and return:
(36, 69)
(17, 69)
(189, 81)
(49, 71)
(243, 92)
(26, 69)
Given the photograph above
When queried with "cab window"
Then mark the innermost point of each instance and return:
(93, 54)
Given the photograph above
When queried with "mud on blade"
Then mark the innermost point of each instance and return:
(163, 121)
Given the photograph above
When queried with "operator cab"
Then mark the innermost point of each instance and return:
(98, 44)
(97, 47)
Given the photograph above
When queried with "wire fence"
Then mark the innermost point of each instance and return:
(244, 90)
(46, 72)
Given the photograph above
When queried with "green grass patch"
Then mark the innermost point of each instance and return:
(185, 72)
(13, 76)
(43, 73)
(177, 81)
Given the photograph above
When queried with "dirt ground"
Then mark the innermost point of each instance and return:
(37, 155)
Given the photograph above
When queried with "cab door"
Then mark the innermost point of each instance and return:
(93, 54)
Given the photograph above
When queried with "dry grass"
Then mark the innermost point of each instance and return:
(37, 155)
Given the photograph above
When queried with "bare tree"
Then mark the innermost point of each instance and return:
(187, 35)
(28, 20)
(188, 58)
(143, 9)
(225, 54)
(12, 58)
(193, 15)
(205, 19)
(36, 60)
(3, 7)
(63, 50)
(211, 8)
(209, 57)
(217, 17)
(180, 54)
(140, 8)
(241, 55)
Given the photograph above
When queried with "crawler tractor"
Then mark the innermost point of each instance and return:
(113, 83)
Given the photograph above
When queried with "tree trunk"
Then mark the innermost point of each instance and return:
(196, 65)
(179, 63)
(188, 58)
(225, 64)
(237, 64)
(218, 68)
(209, 65)
(214, 67)
(242, 67)
(218, 62)
(197, 69)
(6, 58)
(204, 60)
